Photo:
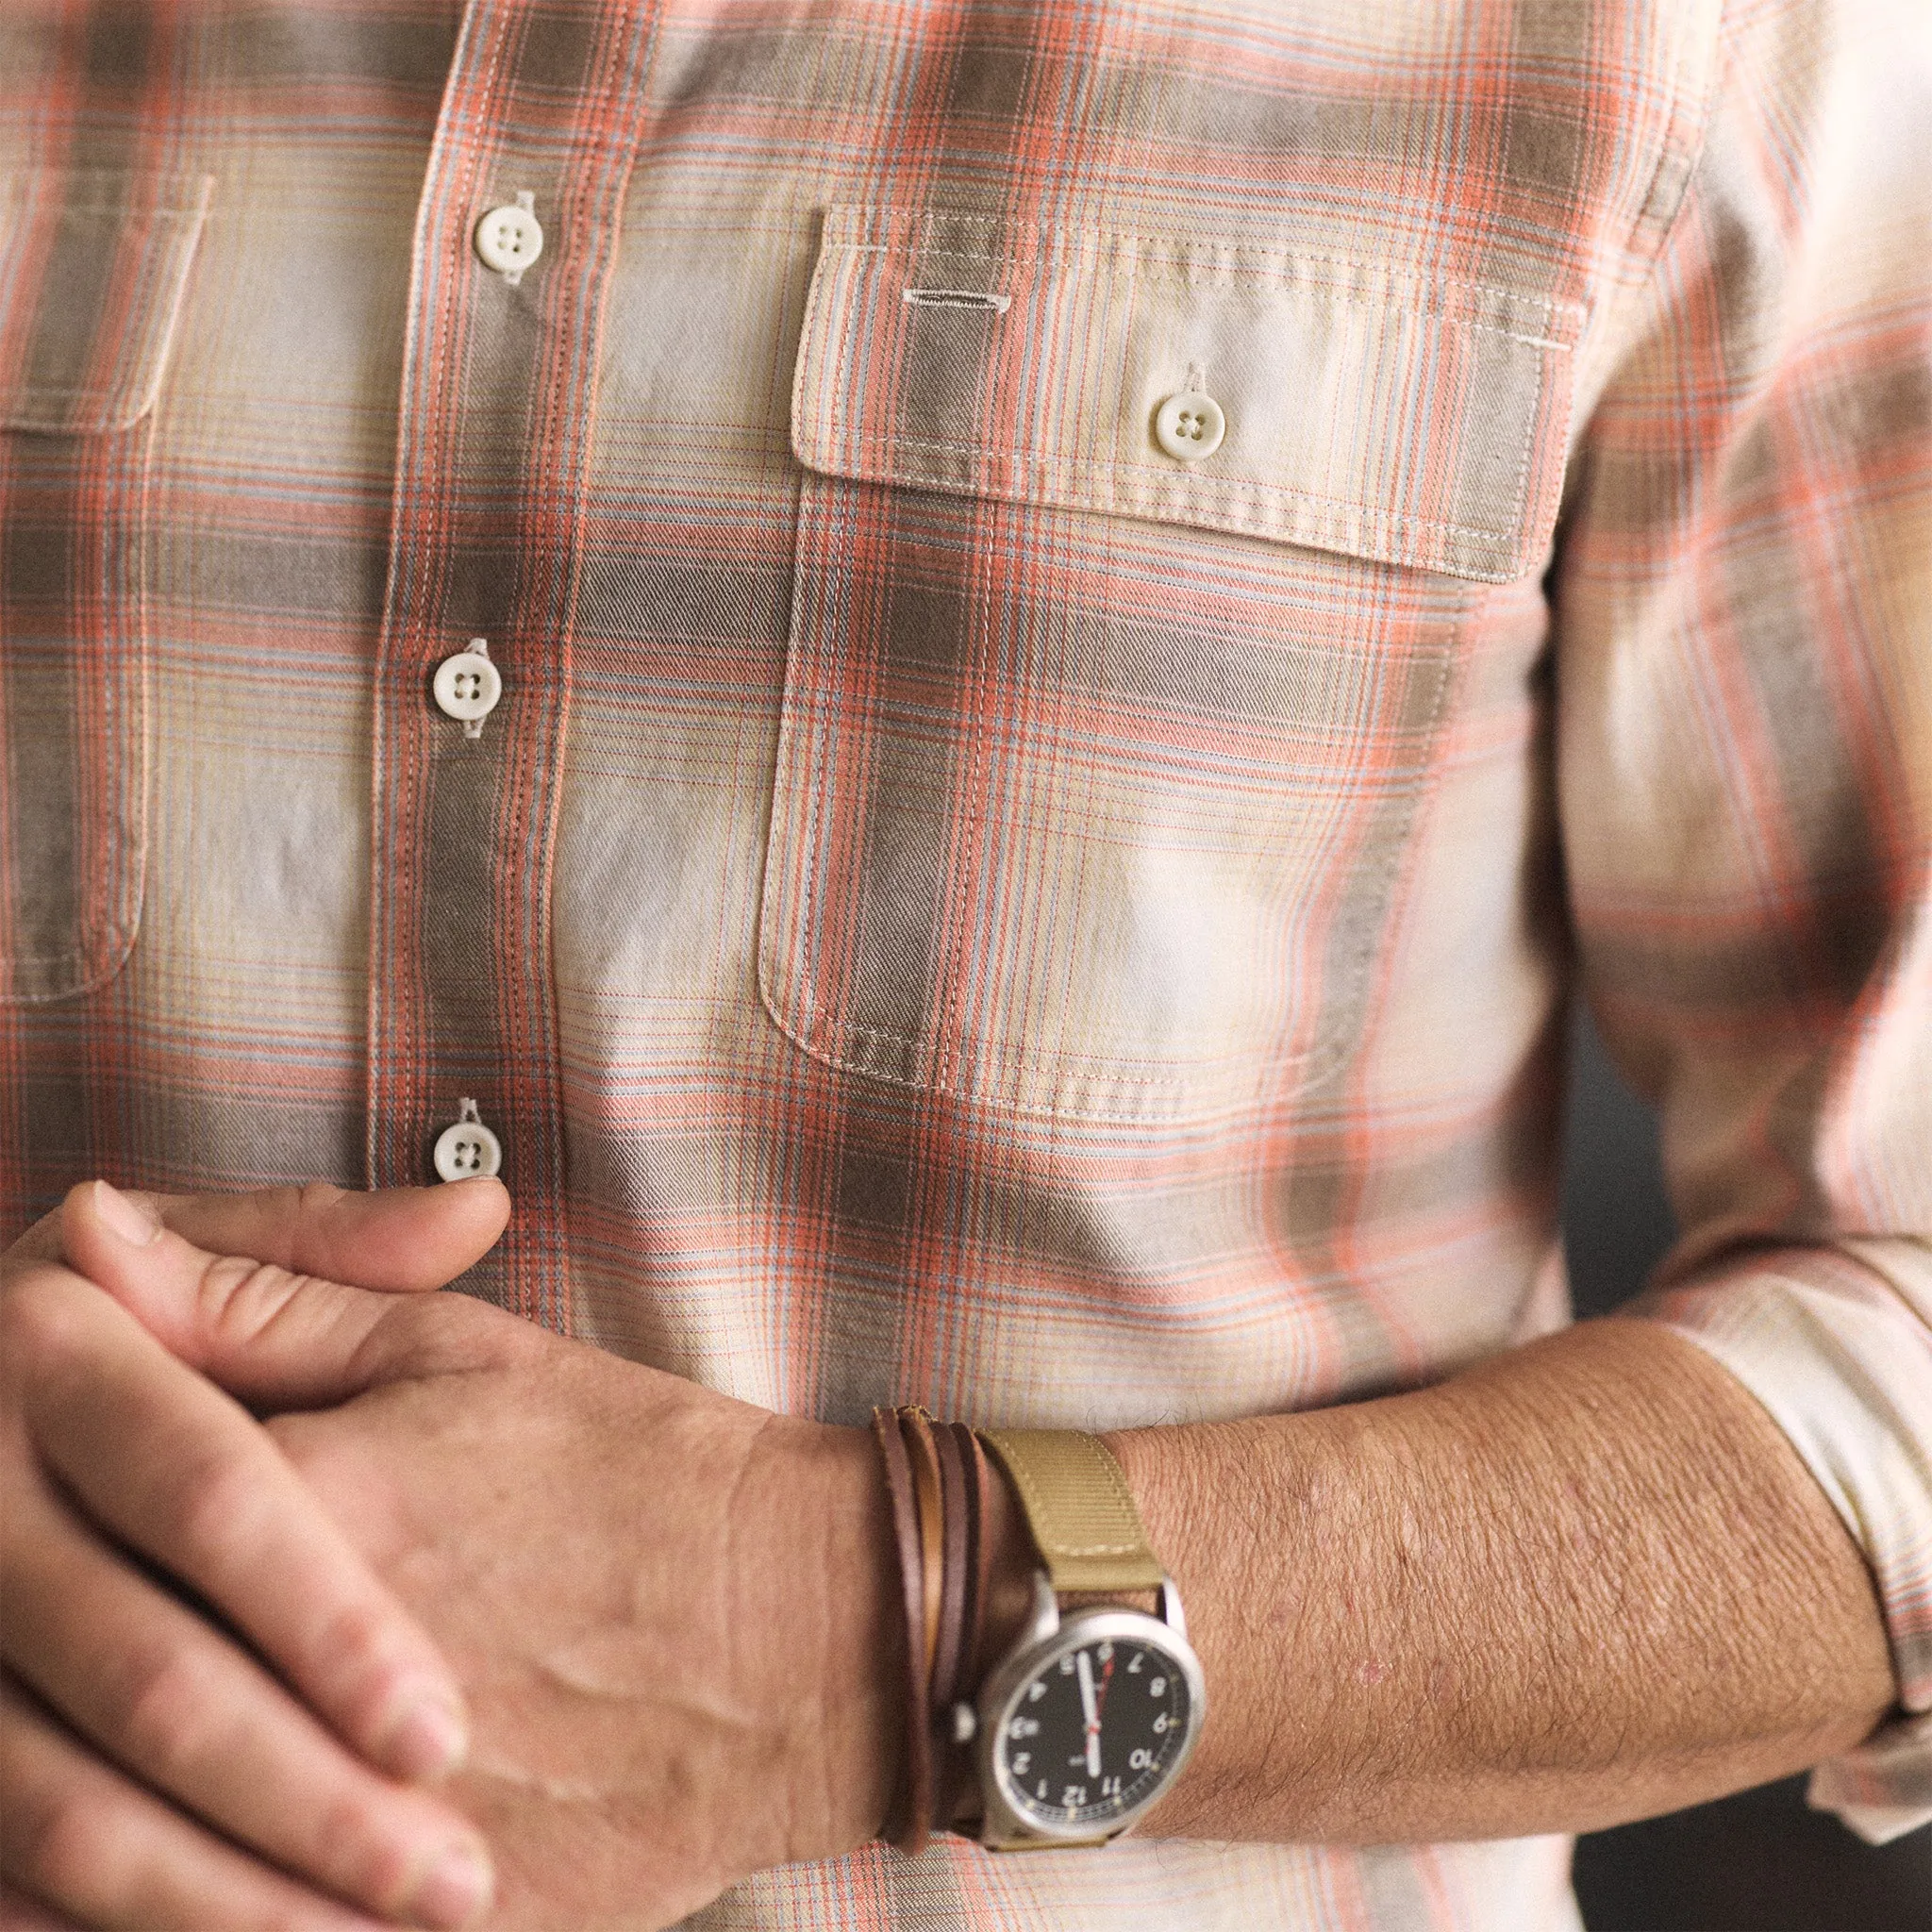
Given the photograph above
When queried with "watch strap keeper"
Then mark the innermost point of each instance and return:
(1079, 1508)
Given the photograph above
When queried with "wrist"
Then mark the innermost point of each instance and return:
(961, 1573)
(1067, 1581)
(1084, 1725)
(864, 1700)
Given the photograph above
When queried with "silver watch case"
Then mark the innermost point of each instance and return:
(1046, 1639)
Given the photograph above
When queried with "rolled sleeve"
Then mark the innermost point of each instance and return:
(1744, 762)
(1838, 1347)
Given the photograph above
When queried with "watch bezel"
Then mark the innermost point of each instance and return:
(999, 1697)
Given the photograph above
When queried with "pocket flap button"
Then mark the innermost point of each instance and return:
(1190, 426)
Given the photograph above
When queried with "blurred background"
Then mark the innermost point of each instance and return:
(1760, 1862)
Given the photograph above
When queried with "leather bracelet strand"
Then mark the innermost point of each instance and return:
(966, 1806)
(910, 1825)
(953, 1571)
(982, 1492)
(916, 1431)
(950, 1665)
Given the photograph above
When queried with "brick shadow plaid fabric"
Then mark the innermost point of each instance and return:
(956, 903)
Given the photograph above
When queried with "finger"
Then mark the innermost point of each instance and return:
(90, 1844)
(395, 1239)
(154, 1686)
(276, 1339)
(173, 1467)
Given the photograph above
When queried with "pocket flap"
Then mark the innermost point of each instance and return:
(96, 265)
(1367, 413)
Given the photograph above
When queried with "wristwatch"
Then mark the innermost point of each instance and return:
(1089, 1719)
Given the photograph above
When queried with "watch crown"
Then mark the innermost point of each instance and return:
(965, 1723)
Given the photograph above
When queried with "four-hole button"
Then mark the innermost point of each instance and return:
(467, 686)
(1190, 426)
(510, 238)
(467, 1147)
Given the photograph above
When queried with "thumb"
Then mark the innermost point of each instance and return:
(281, 1337)
(396, 1239)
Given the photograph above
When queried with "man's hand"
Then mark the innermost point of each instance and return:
(165, 1766)
(672, 1612)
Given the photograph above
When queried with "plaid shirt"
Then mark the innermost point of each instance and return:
(956, 902)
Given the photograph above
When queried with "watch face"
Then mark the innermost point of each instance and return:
(1093, 1733)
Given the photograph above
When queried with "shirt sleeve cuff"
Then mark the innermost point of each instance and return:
(1837, 1344)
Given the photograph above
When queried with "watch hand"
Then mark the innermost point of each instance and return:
(1099, 1706)
(1091, 1705)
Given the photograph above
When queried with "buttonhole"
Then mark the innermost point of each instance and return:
(959, 298)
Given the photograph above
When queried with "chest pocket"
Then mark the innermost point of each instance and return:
(1129, 580)
(95, 267)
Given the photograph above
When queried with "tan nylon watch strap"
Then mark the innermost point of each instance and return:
(1083, 1520)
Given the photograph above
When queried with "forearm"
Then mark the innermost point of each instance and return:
(1587, 1581)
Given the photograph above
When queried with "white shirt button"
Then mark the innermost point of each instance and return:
(468, 685)
(510, 238)
(1190, 426)
(467, 1147)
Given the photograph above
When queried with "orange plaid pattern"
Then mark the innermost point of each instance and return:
(956, 904)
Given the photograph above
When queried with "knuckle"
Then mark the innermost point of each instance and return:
(215, 1505)
(224, 1277)
(351, 1650)
(241, 1297)
(329, 1467)
(369, 1858)
(420, 1326)
(61, 1842)
(305, 1446)
(163, 1714)
(358, 1639)
(436, 1333)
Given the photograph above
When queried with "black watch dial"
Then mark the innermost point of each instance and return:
(1093, 1734)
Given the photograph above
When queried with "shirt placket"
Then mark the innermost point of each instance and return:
(515, 237)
